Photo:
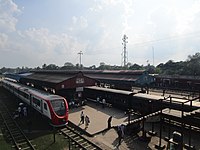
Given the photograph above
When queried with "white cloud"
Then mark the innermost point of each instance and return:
(7, 19)
(78, 23)
(3, 40)
(97, 30)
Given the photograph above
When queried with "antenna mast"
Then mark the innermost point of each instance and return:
(124, 52)
(80, 53)
(153, 54)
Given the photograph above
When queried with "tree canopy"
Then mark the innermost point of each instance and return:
(191, 66)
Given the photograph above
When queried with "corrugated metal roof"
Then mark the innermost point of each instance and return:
(131, 72)
(148, 96)
(56, 78)
(109, 90)
(53, 77)
(115, 77)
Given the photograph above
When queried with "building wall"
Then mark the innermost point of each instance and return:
(76, 82)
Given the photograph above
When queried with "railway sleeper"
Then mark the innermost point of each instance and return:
(77, 137)
(14, 130)
(20, 140)
(10, 123)
(16, 133)
(19, 137)
(84, 143)
(23, 143)
(28, 147)
(72, 135)
(66, 132)
(88, 147)
(79, 140)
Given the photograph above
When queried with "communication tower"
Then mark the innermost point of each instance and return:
(80, 53)
(124, 52)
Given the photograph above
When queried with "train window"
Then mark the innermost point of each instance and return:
(36, 101)
(59, 106)
(45, 106)
(25, 95)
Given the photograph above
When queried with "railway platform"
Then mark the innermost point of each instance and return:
(108, 139)
(98, 117)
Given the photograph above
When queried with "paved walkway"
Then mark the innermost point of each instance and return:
(98, 117)
(108, 139)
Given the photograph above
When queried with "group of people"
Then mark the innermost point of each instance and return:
(103, 102)
(21, 111)
(84, 119)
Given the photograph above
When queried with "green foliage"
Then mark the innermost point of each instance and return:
(47, 142)
(189, 67)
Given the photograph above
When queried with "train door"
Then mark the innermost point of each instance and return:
(30, 100)
(45, 109)
(42, 106)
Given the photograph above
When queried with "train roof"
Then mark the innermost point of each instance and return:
(42, 94)
(109, 90)
(148, 96)
(12, 83)
(36, 92)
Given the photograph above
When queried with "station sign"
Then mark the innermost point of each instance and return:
(79, 89)
(80, 80)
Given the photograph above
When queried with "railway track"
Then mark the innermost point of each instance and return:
(77, 140)
(13, 131)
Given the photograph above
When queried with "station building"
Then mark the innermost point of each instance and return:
(71, 84)
(189, 83)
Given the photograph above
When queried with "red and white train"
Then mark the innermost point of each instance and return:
(54, 107)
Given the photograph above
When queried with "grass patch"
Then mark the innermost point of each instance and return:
(46, 142)
(3, 144)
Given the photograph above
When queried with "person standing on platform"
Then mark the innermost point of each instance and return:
(82, 118)
(25, 111)
(97, 103)
(109, 122)
(103, 102)
(19, 111)
(87, 121)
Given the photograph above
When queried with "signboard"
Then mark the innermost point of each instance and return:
(79, 80)
(79, 89)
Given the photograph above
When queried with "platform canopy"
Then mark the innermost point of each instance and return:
(53, 78)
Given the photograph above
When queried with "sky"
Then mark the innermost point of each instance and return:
(33, 33)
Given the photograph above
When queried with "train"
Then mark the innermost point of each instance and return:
(53, 107)
(142, 103)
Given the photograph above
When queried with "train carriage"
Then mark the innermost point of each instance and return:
(139, 102)
(53, 107)
(118, 98)
(146, 103)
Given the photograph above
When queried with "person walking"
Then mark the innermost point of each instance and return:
(87, 121)
(109, 122)
(119, 132)
(82, 118)
(122, 130)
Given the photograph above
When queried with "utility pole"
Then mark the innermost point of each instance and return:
(153, 54)
(124, 52)
(80, 53)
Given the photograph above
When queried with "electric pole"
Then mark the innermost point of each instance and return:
(124, 52)
(153, 54)
(80, 53)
